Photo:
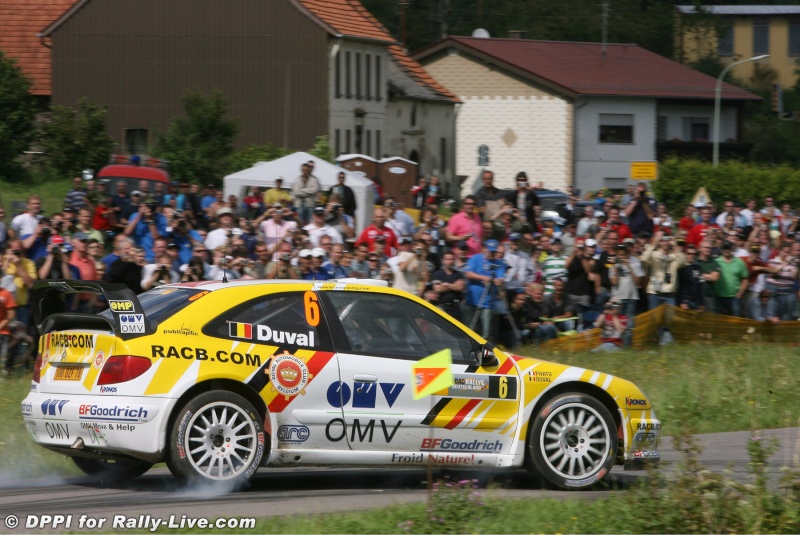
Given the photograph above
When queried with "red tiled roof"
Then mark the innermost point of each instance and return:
(20, 23)
(418, 73)
(579, 68)
(349, 18)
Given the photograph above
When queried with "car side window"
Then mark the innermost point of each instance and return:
(277, 319)
(391, 326)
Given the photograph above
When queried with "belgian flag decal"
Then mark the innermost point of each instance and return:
(241, 330)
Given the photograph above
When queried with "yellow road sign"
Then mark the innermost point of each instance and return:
(644, 170)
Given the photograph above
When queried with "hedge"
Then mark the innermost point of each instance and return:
(680, 179)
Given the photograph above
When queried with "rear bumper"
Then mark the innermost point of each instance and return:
(88, 425)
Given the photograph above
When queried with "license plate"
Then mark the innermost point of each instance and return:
(65, 373)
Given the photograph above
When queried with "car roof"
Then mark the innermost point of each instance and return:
(318, 285)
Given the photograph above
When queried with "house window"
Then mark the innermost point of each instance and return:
(338, 75)
(697, 129)
(368, 74)
(136, 140)
(794, 38)
(378, 88)
(760, 36)
(616, 128)
(662, 127)
(347, 141)
(368, 135)
(337, 142)
(377, 144)
(347, 75)
(725, 41)
(358, 76)
(413, 117)
(615, 184)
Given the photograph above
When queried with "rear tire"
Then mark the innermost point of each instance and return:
(112, 469)
(573, 441)
(217, 437)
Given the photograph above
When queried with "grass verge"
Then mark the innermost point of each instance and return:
(52, 194)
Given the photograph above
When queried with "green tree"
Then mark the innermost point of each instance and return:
(76, 139)
(322, 149)
(252, 154)
(17, 116)
(199, 144)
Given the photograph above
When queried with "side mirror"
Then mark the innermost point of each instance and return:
(488, 358)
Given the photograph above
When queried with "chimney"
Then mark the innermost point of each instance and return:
(517, 34)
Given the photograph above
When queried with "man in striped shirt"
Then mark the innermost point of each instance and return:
(554, 266)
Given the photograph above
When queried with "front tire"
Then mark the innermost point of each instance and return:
(573, 441)
(116, 470)
(217, 437)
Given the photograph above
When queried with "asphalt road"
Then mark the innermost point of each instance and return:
(309, 490)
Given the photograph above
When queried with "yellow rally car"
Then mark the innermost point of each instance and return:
(217, 379)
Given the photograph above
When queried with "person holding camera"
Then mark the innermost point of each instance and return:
(55, 264)
(158, 273)
(411, 274)
(224, 232)
(641, 210)
(613, 325)
(626, 274)
(378, 236)
(146, 225)
(36, 244)
(336, 217)
(663, 263)
(485, 277)
(344, 193)
(524, 200)
(281, 268)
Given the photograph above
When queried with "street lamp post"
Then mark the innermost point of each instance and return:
(717, 97)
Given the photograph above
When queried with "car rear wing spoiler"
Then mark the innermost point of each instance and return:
(49, 308)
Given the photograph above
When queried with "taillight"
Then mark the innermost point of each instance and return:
(123, 368)
(37, 369)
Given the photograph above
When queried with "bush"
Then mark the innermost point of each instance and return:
(680, 179)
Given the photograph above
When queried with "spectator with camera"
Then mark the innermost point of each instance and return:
(691, 282)
(614, 223)
(663, 262)
(528, 310)
(419, 193)
(411, 273)
(146, 225)
(519, 270)
(193, 271)
(182, 233)
(345, 194)
(36, 244)
(523, 201)
(430, 224)
(625, 275)
(55, 264)
(281, 268)
(613, 325)
(276, 226)
(640, 211)
(336, 217)
(485, 277)
(400, 222)
(580, 280)
(159, 273)
(224, 232)
(508, 221)
(319, 227)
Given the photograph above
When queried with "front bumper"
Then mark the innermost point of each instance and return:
(87, 424)
(641, 440)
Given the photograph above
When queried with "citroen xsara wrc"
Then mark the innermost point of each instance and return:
(217, 379)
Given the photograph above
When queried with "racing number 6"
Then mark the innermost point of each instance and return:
(502, 391)
(311, 303)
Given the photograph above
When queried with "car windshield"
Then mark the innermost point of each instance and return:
(161, 303)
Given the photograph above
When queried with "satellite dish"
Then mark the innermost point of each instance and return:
(480, 32)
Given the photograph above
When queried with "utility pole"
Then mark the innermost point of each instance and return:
(402, 6)
(605, 29)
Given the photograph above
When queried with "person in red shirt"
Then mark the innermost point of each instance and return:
(378, 234)
(8, 309)
(615, 223)
(688, 220)
(613, 325)
(104, 216)
(700, 231)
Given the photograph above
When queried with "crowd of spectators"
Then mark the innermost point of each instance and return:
(500, 264)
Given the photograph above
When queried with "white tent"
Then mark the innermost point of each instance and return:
(263, 174)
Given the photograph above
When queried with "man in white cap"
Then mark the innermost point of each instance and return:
(319, 228)
(224, 232)
(316, 271)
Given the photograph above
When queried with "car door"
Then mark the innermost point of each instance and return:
(301, 362)
(379, 337)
